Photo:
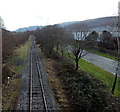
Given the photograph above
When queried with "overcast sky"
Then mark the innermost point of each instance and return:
(23, 13)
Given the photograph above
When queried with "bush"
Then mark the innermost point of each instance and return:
(85, 92)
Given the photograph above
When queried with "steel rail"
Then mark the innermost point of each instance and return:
(30, 107)
(40, 78)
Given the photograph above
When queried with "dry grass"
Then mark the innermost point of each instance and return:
(57, 85)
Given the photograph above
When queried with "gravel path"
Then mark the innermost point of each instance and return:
(103, 62)
(37, 100)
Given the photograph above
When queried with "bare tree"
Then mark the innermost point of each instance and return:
(92, 40)
(80, 32)
(62, 40)
(51, 39)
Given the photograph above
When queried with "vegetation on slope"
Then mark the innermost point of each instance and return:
(101, 74)
(11, 87)
(10, 41)
(83, 91)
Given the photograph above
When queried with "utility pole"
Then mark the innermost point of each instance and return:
(0, 66)
(118, 42)
(118, 28)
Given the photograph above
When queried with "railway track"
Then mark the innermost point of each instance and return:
(35, 92)
(37, 98)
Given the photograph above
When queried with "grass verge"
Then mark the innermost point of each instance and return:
(101, 74)
(11, 88)
(103, 54)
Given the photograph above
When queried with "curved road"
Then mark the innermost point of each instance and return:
(103, 62)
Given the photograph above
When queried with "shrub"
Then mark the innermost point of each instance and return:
(85, 92)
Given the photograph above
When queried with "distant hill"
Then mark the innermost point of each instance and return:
(30, 28)
(98, 24)
(64, 24)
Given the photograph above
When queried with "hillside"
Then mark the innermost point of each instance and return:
(64, 24)
(30, 28)
(98, 24)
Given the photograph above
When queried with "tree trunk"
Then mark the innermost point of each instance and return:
(42, 49)
(50, 52)
(76, 67)
(114, 84)
(57, 47)
(62, 52)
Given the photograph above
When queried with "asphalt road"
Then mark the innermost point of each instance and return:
(105, 63)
